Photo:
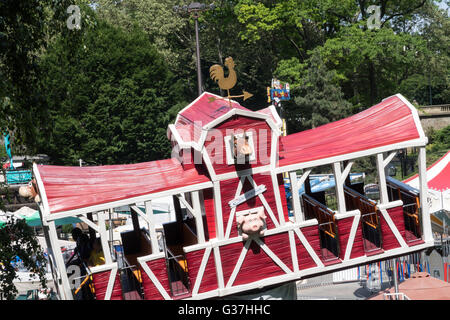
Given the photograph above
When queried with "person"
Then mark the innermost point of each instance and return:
(96, 258)
(83, 248)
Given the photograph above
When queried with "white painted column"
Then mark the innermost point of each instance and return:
(104, 236)
(60, 265)
(426, 222)
(295, 186)
(198, 216)
(151, 226)
(218, 210)
(382, 179)
(296, 206)
(339, 186)
(276, 192)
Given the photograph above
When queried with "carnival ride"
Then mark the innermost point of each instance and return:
(228, 162)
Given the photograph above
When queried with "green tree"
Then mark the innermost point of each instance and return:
(17, 239)
(22, 35)
(174, 36)
(109, 96)
(318, 100)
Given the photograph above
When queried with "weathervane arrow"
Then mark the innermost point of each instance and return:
(246, 95)
(226, 83)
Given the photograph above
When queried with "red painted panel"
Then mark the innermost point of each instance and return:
(101, 280)
(215, 145)
(280, 245)
(210, 224)
(209, 279)
(312, 236)
(344, 227)
(257, 265)
(389, 239)
(229, 256)
(397, 217)
(358, 244)
(158, 267)
(228, 191)
(305, 260)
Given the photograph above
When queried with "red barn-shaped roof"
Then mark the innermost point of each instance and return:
(390, 122)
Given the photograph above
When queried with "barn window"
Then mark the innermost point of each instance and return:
(240, 148)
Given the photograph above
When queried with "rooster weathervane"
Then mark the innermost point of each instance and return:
(226, 83)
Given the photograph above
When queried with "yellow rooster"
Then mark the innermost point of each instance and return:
(217, 74)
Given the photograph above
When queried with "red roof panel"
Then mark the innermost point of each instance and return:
(386, 123)
(69, 188)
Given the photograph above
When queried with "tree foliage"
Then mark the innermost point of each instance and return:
(318, 100)
(17, 239)
(89, 88)
(108, 95)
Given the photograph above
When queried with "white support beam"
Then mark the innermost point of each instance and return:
(88, 222)
(151, 226)
(296, 206)
(389, 158)
(218, 263)
(186, 204)
(423, 194)
(60, 265)
(104, 236)
(201, 270)
(276, 191)
(218, 210)
(295, 186)
(346, 171)
(198, 216)
(382, 179)
(293, 251)
(238, 264)
(339, 182)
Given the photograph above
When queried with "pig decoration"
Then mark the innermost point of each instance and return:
(252, 223)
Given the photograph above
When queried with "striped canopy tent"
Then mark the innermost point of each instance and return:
(438, 179)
